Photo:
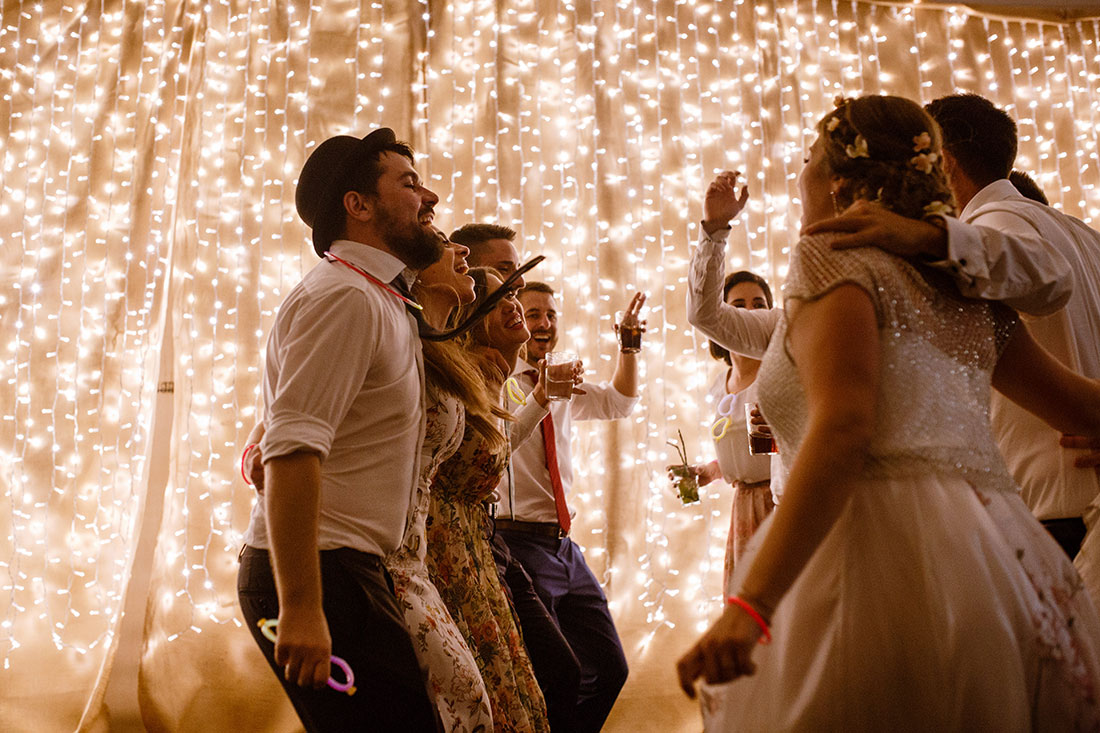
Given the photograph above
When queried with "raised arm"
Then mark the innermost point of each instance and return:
(739, 330)
(625, 378)
(834, 342)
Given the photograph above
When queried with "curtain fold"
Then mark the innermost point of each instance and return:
(148, 157)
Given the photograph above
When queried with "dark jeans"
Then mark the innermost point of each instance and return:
(556, 667)
(578, 606)
(1068, 532)
(368, 631)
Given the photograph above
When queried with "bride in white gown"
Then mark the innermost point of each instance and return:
(902, 581)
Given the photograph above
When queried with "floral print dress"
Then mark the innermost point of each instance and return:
(450, 670)
(460, 562)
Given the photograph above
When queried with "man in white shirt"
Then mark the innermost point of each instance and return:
(1032, 257)
(534, 517)
(343, 392)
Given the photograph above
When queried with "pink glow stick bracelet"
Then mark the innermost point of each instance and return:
(267, 628)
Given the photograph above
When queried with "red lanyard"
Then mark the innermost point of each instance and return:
(376, 281)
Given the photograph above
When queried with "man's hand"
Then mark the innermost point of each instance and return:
(722, 203)
(578, 377)
(538, 392)
(867, 224)
(303, 646)
(631, 316)
(723, 653)
(1080, 442)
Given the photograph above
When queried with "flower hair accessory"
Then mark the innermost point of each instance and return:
(938, 208)
(842, 131)
(858, 149)
(925, 159)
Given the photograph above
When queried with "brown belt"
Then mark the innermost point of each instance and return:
(542, 529)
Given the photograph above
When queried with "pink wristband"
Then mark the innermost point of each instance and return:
(244, 457)
(766, 636)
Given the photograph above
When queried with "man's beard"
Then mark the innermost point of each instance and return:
(414, 244)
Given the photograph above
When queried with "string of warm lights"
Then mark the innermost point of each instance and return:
(147, 161)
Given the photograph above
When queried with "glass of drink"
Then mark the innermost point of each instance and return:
(630, 332)
(559, 375)
(760, 442)
(685, 483)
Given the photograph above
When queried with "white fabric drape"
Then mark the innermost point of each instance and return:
(148, 153)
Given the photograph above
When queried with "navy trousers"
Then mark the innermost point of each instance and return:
(577, 604)
(557, 669)
(368, 631)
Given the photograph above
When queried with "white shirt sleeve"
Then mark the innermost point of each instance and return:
(325, 350)
(739, 330)
(1000, 256)
(601, 402)
(528, 418)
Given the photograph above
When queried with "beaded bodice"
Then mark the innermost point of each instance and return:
(937, 355)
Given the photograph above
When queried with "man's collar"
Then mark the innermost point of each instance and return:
(382, 265)
(999, 190)
(521, 367)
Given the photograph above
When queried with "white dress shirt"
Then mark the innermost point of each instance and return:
(344, 377)
(526, 493)
(1047, 243)
(997, 254)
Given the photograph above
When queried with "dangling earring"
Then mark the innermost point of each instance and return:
(836, 206)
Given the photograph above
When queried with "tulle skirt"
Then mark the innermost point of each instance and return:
(930, 605)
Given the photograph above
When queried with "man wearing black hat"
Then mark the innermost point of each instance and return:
(343, 388)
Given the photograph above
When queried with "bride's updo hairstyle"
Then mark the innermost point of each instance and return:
(886, 150)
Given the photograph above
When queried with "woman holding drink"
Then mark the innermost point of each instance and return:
(743, 453)
(460, 560)
(902, 582)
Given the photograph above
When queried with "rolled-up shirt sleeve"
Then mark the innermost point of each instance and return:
(601, 402)
(999, 256)
(740, 330)
(325, 350)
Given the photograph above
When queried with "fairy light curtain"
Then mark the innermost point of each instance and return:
(149, 152)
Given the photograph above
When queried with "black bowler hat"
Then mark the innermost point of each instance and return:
(326, 177)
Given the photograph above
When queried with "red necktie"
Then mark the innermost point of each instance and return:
(551, 446)
(547, 427)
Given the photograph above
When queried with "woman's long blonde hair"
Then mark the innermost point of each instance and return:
(453, 370)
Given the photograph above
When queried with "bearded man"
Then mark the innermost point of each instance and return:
(344, 422)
